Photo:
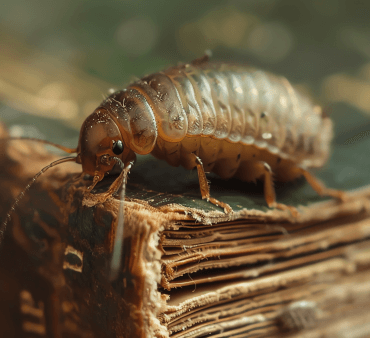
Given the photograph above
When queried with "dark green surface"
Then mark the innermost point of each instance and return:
(157, 182)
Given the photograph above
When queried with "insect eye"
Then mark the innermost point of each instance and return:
(117, 147)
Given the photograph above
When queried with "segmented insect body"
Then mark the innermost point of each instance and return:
(182, 110)
(234, 121)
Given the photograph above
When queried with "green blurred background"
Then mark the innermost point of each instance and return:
(58, 59)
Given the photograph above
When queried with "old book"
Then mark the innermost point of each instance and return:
(188, 270)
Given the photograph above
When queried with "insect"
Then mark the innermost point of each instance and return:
(231, 120)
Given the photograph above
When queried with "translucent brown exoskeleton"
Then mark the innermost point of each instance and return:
(231, 120)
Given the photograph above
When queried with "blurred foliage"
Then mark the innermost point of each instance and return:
(108, 43)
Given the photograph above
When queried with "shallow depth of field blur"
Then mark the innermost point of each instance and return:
(58, 59)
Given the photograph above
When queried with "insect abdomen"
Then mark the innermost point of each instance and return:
(251, 107)
(246, 110)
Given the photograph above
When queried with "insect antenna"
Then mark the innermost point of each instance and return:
(66, 149)
(119, 234)
(22, 193)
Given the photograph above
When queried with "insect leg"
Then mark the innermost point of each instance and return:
(269, 190)
(204, 187)
(91, 200)
(320, 187)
